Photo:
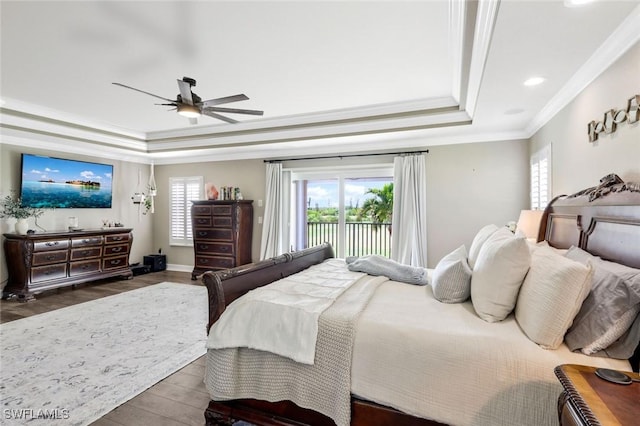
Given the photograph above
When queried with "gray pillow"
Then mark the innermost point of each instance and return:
(379, 265)
(451, 281)
(603, 326)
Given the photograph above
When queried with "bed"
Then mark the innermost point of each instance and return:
(449, 376)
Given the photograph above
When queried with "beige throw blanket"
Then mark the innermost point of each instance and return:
(324, 386)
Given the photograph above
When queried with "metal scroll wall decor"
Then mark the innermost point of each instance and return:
(614, 117)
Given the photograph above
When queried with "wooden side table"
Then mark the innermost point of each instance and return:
(591, 401)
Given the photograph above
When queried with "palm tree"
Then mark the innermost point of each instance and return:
(380, 206)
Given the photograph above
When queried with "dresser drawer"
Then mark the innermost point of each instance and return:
(201, 211)
(48, 257)
(213, 234)
(86, 253)
(212, 262)
(79, 268)
(86, 242)
(219, 248)
(119, 249)
(222, 221)
(46, 273)
(114, 262)
(50, 245)
(117, 238)
(221, 210)
(202, 221)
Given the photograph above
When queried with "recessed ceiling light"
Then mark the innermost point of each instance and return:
(577, 3)
(533, 81)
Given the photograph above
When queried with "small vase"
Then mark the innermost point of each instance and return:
(22, 226)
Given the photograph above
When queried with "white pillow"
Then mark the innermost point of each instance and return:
(501, 266)
(478, 241)
(451, 281)
(551, 296)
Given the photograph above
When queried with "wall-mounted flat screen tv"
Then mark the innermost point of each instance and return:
(49, 182)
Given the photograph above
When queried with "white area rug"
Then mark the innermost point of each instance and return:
(73, 365)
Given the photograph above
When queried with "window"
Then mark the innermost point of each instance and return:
(325, 207)
(183, 191)
(541, 178)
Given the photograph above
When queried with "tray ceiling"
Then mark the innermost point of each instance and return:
(358, 75)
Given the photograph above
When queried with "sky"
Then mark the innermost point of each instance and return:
(325, 193)
(35, 168)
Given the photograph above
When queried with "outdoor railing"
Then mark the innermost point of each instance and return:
(361, 238)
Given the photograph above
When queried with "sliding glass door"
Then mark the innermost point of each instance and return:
(340, 208)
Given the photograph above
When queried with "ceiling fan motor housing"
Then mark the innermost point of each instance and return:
(191, 81)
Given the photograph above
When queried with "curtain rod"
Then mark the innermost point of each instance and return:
(348, 155)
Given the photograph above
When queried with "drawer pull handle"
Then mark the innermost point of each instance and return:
(51, 257)
(116, 249)
(52, 243)
(85, 267)
(204, 246)
(86, 241)
(115, 262)
(117, 238)
(86, 252)
(202, 233)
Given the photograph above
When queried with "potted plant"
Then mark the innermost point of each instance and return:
(380, 206)
(11, 206)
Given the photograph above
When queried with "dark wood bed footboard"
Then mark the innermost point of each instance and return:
(363, 413)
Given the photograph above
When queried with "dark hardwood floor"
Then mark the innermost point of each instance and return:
(180, 399)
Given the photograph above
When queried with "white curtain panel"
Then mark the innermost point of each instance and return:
(409, 221)
(273, 229)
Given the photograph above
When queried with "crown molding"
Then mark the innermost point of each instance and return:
(42, 140)
(486, 16)
(621, 40)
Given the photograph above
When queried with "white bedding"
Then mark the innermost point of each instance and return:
(282, 318)
(441, 361)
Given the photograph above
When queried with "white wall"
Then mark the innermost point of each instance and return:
(472, 185)
(579, 164)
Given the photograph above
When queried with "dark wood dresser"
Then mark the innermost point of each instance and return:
(588, 400)
(47, 260)
(222, 234)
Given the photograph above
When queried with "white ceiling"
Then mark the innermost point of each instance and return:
(330, 76)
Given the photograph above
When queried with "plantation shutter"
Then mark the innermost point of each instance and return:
(541, 178)
(183, 191)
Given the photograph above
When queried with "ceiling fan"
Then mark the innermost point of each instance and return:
(190, 105)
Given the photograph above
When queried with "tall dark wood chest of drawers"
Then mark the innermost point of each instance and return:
(222, 234)
(47, 260)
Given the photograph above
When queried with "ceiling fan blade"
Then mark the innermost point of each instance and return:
(235, 110)
(142, 91)
(225, 100)
(193, 121)
(219, 117)
(185, 92)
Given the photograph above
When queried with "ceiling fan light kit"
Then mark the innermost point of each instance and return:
(190, 105)
(188, 111)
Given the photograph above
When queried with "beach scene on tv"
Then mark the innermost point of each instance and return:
(49, 182)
